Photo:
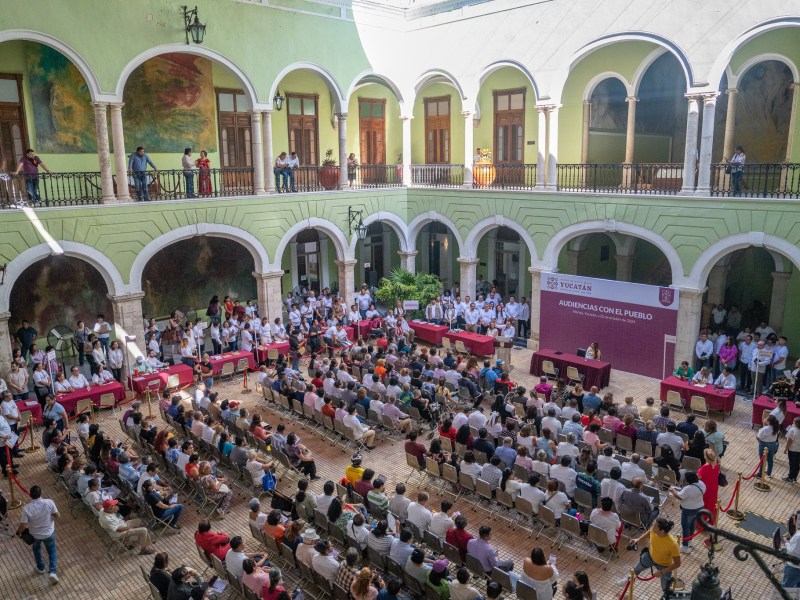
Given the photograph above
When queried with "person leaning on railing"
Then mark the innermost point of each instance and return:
(29, 164)
(137, 166)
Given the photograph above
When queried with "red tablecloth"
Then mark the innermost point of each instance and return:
(184, 373)
(595, 372)
(766, 403)
(429, 332)
(70, 401)
(262, 351)
(351, 332)
(482, 345)
(232, 357)
(715, 399)
(31, 405)
(362, 328)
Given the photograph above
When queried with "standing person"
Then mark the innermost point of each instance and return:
(82, 333)
(691, 499)
(352, 165)
(188, 172)
(293, 163)
(768, 438)
(736, 164)
(26, 335)
(6, 435)
(524, 318)
(38, 517)
(103, 330)
(793, 450)
(213, 311)
(137, 166)
(281, 171)
(29, 164)
(663, 554)
(204, 173)
(709, 475)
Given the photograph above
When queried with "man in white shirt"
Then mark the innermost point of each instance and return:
(103, 331)
(441, 522)
(703, 350)
(779, 354)
(236, 556)
(486, 318)
(747, 349)
(399, 503)
(323, 563)
(606, 460)
(131, 533)
(524, 318)
(671, 439)
(726, 380)
(532, 493)
(607, 520)
(476, 419)
(718, 314)
(152, 361)
(279, 331)
(418, 514)
(764, 330)
(292, 164)
(568, 448)
(611, 486)
(471, 317)
(38, 517)
(632, 469)
(552, 423)
(77, 380)
(363, 300)
(565, 474)
(361, 433)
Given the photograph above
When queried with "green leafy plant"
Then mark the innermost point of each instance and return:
(329, 160)
(404, 285)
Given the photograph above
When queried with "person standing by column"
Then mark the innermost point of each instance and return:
(26, 335)
(188, 172)
(736, 164)
(292, 164)
(137, 166)
(103, 331)
(29, 164)
(38, 517)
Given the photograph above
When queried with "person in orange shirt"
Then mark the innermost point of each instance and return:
(380, 368)
(273, 527)
(327, 408)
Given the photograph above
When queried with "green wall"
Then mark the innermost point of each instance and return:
(392, 123)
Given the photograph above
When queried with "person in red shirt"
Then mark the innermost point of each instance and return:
(447, 430)
(458, 536)
(416, 449)
(364, 485)
(216, 543)
(327, 408)
(228, 303)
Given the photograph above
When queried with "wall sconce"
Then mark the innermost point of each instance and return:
(356, 223)
(277, 101)
(193, 27)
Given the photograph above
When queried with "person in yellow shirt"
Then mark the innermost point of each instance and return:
(663, 556)
(355, 471)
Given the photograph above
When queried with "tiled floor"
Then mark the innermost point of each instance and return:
(86, 572)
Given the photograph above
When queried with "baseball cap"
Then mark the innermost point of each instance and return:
(109, 503)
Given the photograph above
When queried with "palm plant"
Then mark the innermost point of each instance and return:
(404, 285)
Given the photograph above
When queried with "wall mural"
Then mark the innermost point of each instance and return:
(188, 273)
(62, 111)
(58, 291)
(169, 104)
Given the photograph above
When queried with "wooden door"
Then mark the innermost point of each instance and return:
(13, 133)
(509, 135)
(235, 141)
(303, 128)
(437, 131)
(372, 138)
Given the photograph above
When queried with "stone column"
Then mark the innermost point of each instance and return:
(270, 298)
(730, 123)
(408, 260)
(690, 153)
(777, 304)
(587, 117)
(6, 346)
(624, 267)
(469, 142)
(792, 122)
(120, 158)
(706, 144)
(269, 158)
(573, 256)
(630, 140)
(541, 148)
(406, 150)
(347, 278)
(552, 148)
(258, 152)
(343, 182)
(690, 304)
(536, 305)
(128, 321)
(103, 152)
(468, 274)
(717, 280)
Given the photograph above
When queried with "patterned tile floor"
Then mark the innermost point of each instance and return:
(86, 572)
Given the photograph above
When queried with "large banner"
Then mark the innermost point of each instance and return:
(634, 324)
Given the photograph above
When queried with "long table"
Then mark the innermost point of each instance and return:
(429, 332)
(722, 400)
(184, 374)
(482, 345)
(763, 403)
(93, 393)
(217, 361)
(596, 373)
(263, 351)
(31, 405)
(362, 328)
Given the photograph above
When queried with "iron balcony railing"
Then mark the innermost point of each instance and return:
(758, 180)
(207, 183)
(636, 178)
(443, 176)
(504, 176)
(375, 176)
(49, 189)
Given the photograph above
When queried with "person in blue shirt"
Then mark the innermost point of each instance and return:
(126, 469)
(55, 411)
(506, 453)
(137, 166)
(592, 400)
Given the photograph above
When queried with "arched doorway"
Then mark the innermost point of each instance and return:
(503, 263)
(608, 115)
(309, 263)
(377, 254)
(437, 252)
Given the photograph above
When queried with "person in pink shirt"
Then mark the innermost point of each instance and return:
(728, 354)
(543, 387)
(611, 420)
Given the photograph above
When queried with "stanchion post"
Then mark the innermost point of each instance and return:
(715, 538)
(13, 503)
(245, 389)
(630, 587)
(735, 514)
(33, 447)
(149, 407)
(761, 485)
(677, 582)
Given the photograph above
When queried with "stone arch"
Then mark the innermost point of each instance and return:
(704, 263)
(76, 59)
(370, 76)
(434, 75)
(94, 257)
(343, 250)
(600, 78)
(213, 55)
(733, 78)
(470, 247)
(562, 72)
(723, 60)
(392, 220)
(644, 66)
(500, 64)
(560, 239)
(429, 217)
(339, 103)
(246, 239)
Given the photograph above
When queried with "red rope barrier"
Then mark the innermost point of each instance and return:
(733, 497)
(753, 474)
(625, 591)
(10, 471)
(24, 435)
(691, 537)
(646, 578)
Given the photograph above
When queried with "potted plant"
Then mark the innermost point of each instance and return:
(404, 285)
(329, 172)
(483, 172)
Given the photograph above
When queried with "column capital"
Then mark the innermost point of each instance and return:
(709, 97)
(539, 269)
(404, 253)
(587, 102)
(689, 291)
(129, 297)
(631, 99)
(5, 316)
(467, 114)
(342, 116)
(99, 105)
(732, 91)
(268, 275)
(468, 260)
(406, 117)
(255, 116)
(692, 97)
(115, 105)
(347, 262)
(547, 108)
(777, 276)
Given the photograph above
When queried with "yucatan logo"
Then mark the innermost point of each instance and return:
(666, 296)
(552, 283)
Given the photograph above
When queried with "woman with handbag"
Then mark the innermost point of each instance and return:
(735, 169)
(712, 477)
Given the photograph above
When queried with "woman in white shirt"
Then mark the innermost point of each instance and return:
(542, 464)
(102, 376)
(115, 357)
(41, 382)
(691, 499)
(398, 310)
(98, 356)
(492, 331)
(768, 438)
(703, 377)
(187, 356)
(593, 351)
(527, 439)
(538, 574)
(61, 386)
